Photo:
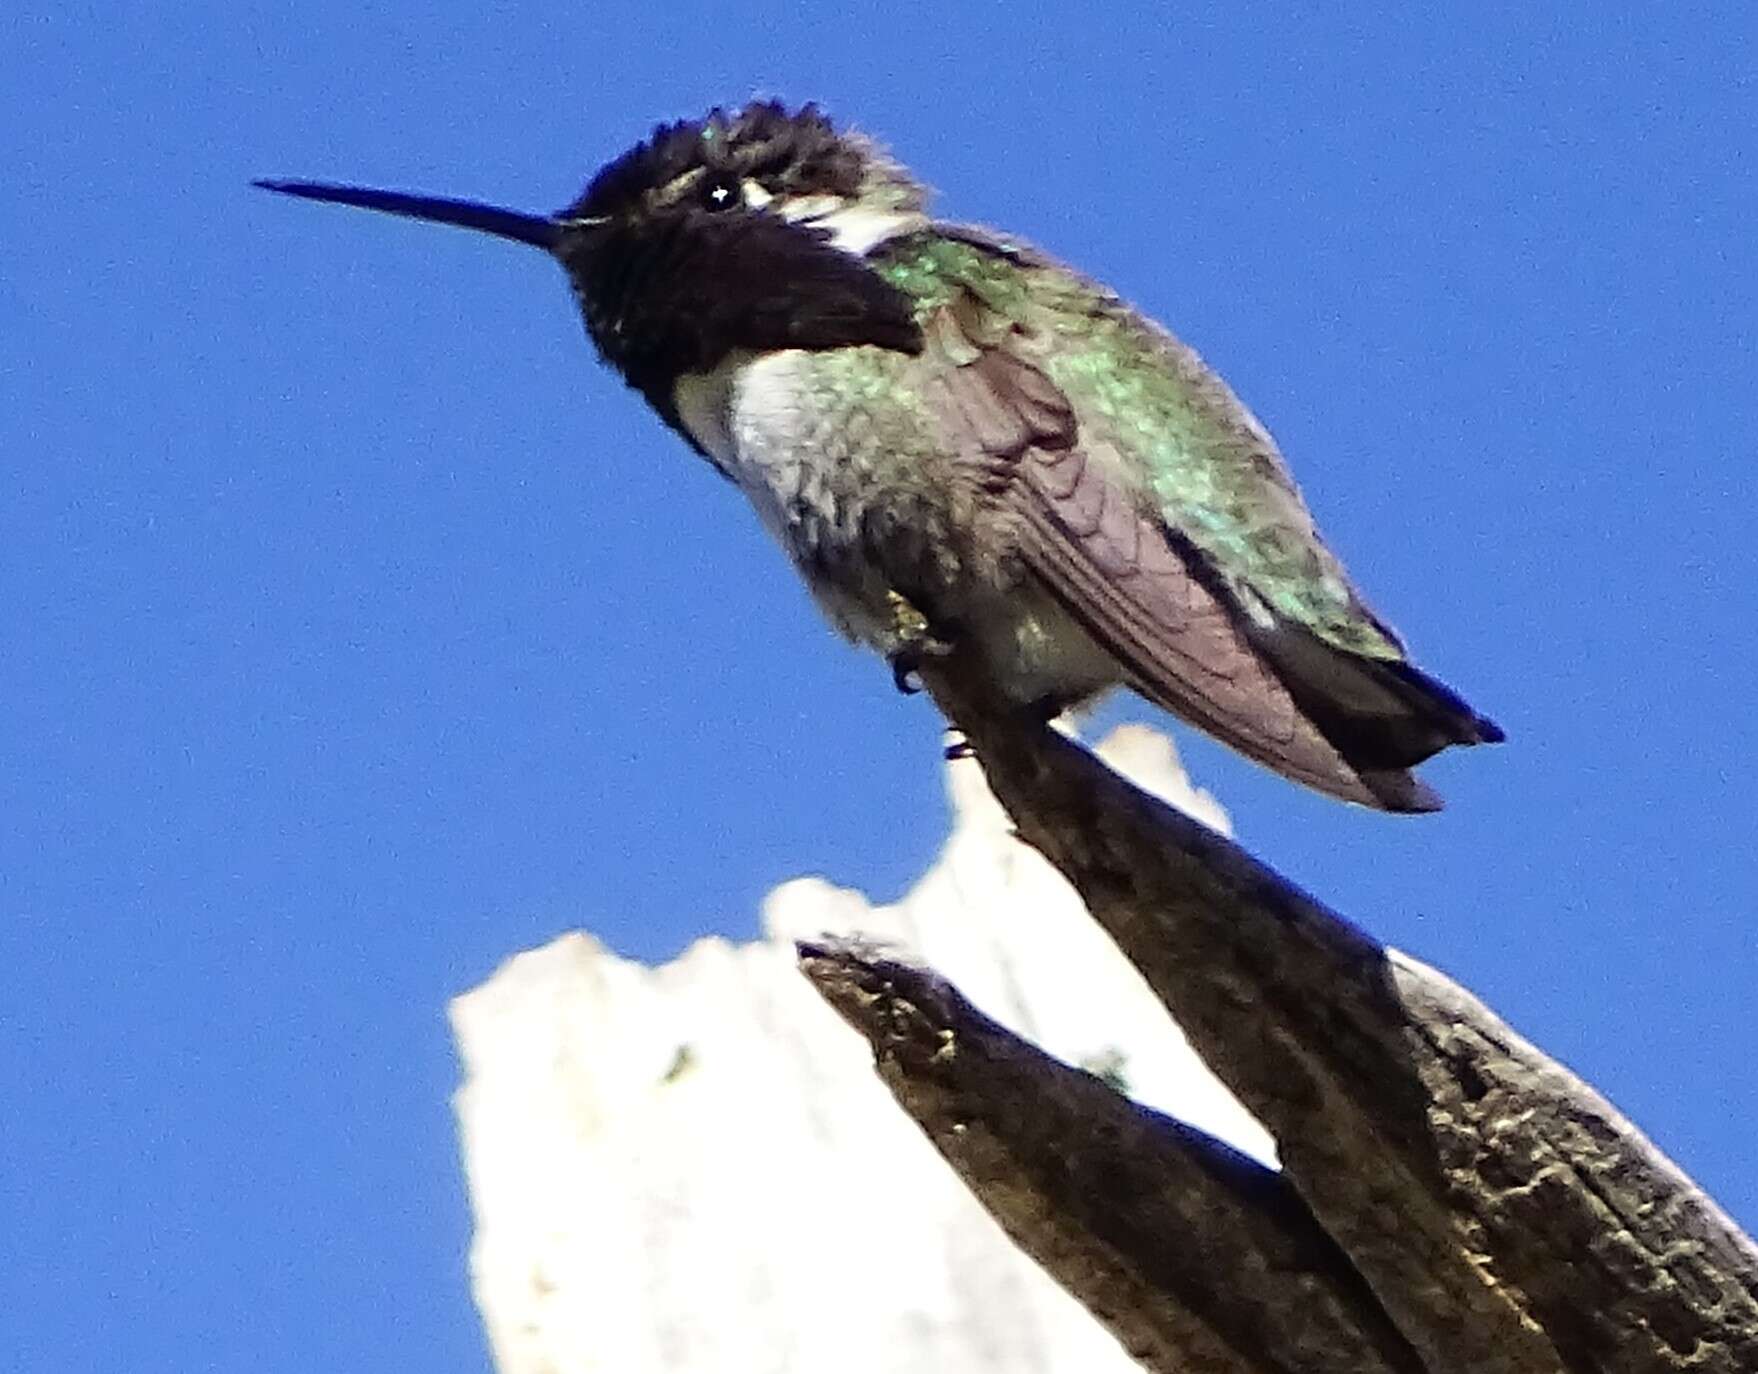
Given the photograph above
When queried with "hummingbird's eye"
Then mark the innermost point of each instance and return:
(720, 192)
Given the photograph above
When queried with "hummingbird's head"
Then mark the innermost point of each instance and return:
(742, 230)
(760, 160)
(747, 229)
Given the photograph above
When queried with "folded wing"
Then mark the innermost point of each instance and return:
(1346, 723)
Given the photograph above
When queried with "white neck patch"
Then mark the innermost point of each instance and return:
(855, 229)
(859, 230)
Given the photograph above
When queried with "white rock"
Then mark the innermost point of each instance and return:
(693, 1167)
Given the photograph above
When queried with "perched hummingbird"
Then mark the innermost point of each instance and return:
(958, 440)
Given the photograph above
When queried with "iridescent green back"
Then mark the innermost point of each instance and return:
(1185, 443)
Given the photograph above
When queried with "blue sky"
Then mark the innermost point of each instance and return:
(360, 631)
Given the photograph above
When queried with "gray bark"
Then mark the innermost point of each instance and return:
(1451, 1198)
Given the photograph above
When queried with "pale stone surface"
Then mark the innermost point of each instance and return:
(693, 1168)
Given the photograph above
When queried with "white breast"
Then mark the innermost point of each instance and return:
(749, 415)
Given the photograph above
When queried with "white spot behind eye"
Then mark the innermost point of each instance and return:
(856, 229)
(755, 196)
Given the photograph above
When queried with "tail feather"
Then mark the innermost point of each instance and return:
(1397, 789)
(1382, 716)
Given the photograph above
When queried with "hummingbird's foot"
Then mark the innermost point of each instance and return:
(916, 644)
(959, 748)
(904, 666)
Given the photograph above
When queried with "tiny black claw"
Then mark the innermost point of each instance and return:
(960, 748)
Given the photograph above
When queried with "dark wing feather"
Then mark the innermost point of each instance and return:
(1142, 592)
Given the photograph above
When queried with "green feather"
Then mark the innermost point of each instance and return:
(1194, 451)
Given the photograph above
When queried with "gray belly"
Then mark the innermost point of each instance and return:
(1034, 650)
(853, 516)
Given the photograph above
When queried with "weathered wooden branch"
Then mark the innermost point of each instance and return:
(1496, 1214)
(1197, 1257)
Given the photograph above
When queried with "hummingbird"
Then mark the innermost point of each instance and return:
(963, 444)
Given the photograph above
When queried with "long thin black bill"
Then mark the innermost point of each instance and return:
(537, 230)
